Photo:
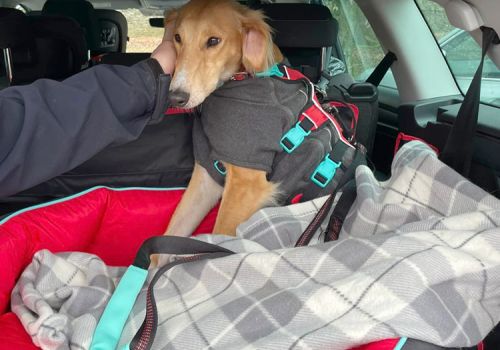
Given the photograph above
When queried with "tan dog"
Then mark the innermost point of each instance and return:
(215, 39)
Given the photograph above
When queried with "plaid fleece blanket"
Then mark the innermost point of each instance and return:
(418, 256)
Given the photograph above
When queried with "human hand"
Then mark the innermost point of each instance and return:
(165, 53)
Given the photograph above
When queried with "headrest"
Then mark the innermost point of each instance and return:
(114, 30)
(301, 25)
(15, 28)
(67, 32)
(57, 50)
(81, 11)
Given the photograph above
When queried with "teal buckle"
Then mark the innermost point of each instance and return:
(293, 138)
(220, 167)
(325, 172)
(273, 71)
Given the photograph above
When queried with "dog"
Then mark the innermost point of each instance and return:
(214, 39)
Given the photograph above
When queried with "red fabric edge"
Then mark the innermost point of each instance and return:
(402, 137)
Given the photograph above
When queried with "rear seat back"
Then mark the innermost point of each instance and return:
(60, 45)
(16, 42)
(120, 58)
(305, 33)
(113, 29)
(40, 46)
(82, 12)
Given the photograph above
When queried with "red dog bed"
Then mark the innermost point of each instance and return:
(109, 223)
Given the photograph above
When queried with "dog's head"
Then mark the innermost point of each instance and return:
(214, 39)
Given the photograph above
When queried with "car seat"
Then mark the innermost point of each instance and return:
(40, 46)
(306, 35)
(113, 30)
(83, 13)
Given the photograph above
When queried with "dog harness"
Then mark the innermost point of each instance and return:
(276, 123)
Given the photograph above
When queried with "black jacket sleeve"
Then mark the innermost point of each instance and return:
(50, 127)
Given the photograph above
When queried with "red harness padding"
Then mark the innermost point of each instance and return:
(176, 111)
(313, 116)
(314, 111)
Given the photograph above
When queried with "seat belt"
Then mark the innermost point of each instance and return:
(459, 147)
(381, 69)
(375, 77)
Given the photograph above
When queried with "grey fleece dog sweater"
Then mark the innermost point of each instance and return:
(242, 123)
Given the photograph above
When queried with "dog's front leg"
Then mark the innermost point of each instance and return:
(245, 192)
(201, 195)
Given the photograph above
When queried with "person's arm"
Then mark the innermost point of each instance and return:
(50, 127)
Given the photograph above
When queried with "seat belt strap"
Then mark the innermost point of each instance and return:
(381, 69)
(459, 147)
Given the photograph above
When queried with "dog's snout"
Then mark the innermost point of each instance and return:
(178, 98)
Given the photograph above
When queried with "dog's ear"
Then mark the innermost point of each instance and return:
(258, 49)
(170, 17)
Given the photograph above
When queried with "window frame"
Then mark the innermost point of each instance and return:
(462, 93)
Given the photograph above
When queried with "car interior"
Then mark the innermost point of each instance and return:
(434, 47)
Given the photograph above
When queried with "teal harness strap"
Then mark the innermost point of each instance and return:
(110, 326)
(401, 343)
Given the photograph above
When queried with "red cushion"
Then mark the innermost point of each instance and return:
(111, 224)
(12, 334)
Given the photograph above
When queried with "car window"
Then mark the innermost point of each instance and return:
(462, 53)
(361, 47)
(142, 37)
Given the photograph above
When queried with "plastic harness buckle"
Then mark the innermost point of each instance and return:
(325, 172)
(273, 71)
(293, 138)
(220, 167)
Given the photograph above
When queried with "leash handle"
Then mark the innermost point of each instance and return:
(115, 315)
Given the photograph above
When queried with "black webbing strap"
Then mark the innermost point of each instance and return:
(459, 147)
(316, 222)
(340, 211)
(414, 344)
(381, 69)
(173, 245)
(320, 217)
(144, 338)
(313, 190)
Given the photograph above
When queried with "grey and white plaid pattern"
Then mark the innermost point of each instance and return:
(418, 256)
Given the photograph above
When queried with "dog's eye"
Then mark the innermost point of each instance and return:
(213, 41)
(177, 38)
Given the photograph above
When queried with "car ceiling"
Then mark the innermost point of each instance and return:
(469, 15)
(37, 5)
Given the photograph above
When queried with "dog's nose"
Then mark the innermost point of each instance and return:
(178, 98)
